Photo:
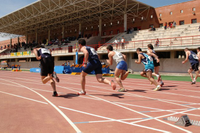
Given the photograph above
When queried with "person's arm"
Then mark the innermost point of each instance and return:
(124, 56)
(198, 56)
(86, 55)
(155, 56)
(139, 59)
(36, 54)
(110, 59)
(186, 59)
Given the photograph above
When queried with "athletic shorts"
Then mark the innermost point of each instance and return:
(195, 67)
(94, 65)
(149, 67)
(47, 66)
(156, 63)
(122, 65)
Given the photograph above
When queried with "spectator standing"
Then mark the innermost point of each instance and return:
(116, 43)
(157, 43)
(174, 24)
(165, 25)
(123, 41)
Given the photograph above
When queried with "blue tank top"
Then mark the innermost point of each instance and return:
(44, 53)
(92, 54)
(147, 60)
(193, 58)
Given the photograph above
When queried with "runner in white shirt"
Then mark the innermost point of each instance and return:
(121, 68)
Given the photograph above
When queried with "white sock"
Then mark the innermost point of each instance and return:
(194, 80)
(157, 76)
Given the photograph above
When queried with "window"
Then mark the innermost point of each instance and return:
(104, 25)
(117, 22)
(66, 58)
(142, 18)
(181, 11)
(111, 23)
(181, 22)
(133, 19)
(193, 9)
(151, 26)
(163, 54)
(179, 54)
(151, 16)
(161, 25)
(160, 15)
(194, 21)
(170, 13)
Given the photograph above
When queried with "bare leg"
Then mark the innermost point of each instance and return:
(53, 84)
(45, 79)
(156, 69)
(117, 74)
(124, 74)
(100, 79)
(150, 78)
(143, 74)
(83, 75)
(197, 75)
(190, 73)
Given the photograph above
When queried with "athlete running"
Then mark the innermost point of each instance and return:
(47, 66)
(193, 58)
(91, 63)
(121, 68)
(149, 65)
(156, 64)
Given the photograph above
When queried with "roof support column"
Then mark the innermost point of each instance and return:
(36, 36)
(49, 34)
(100, 26)
(80, 27)
(125, 22)
(26, 38)
(10, 42)
(63, 31)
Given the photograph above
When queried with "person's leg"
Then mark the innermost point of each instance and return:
(124, 74)
(117, 78)
(45, 79)
(190, 73)
(150, 78)
(143, 74)
(83, 75)
(156, 69)
(100, 79)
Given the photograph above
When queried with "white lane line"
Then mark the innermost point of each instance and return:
(111, 119)
(23, 97)
(66, 118)
(116, 119)
(9, 84)
(142, 114)
(166, 115)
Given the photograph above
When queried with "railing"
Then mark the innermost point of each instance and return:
(163, 42)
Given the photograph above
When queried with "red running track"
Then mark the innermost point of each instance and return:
(27, 106)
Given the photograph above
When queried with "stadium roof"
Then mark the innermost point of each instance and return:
(45, 14)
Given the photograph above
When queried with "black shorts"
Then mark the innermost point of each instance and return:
(195, 67)
(156, 63)
(94, 65)
(47, 66)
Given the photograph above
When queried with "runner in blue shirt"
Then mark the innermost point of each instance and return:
(194, 61)
(91, 63)
(149, 65)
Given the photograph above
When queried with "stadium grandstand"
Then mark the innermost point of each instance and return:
(58, 24)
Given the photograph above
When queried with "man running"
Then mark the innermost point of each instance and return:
(47, 66)
(192, 57)
(121, 68)
(149, 66)
(198, 54)
(156, 64)
(91, 63)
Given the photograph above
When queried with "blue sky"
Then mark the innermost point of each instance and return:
(9, 6)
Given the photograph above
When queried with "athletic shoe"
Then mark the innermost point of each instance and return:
(130, 71)
(113, 85)
(81, 93)
(55, 94)
(161, 84)
(159, 78)
(56, 77)
(157, 88)
(193, 82)
(122, 90)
